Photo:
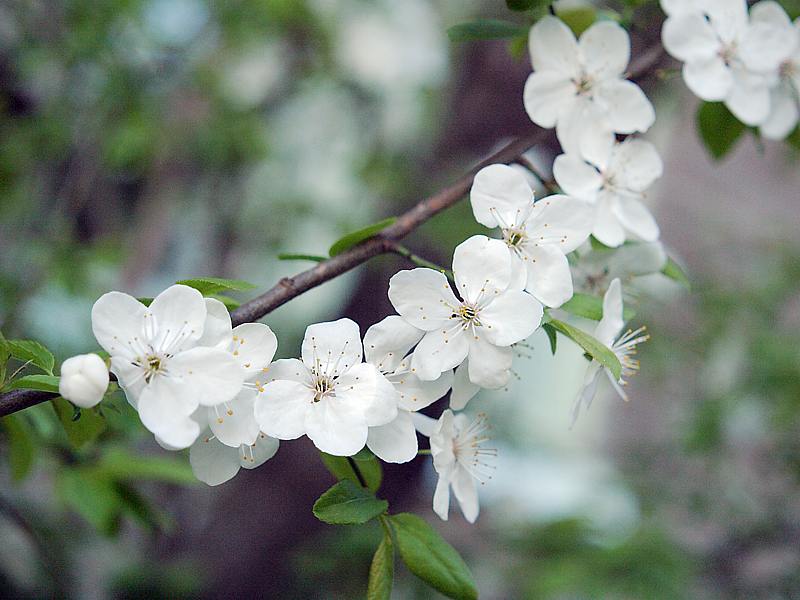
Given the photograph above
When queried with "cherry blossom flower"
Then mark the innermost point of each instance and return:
(614, 177)
(491, 317)
(595, 269)
(386, 345)
(623, 346)
(155, 355)
(538, 235)
(676, 7)
(84, 380)
(728, 57)
(578, 87)
(459, 457)
(214, 463)
(329, 395)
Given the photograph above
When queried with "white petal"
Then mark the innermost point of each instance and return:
(463, 389)
(439, 351)
(234, 423)
(441, 497)
(465, 489)
(596, 146)
(289, 369)
(168, 419)
(636, 259)
(783, 115)
(424, 424)
(510, 318)
(498, 193)
(416, 394)
(489, 365)
(689, 38)
(636, 218)
(208, 375)
(607, 228)
(709, 79)
(765, 46)
(579, 118)
(576, 177)
(586, 395)
(336, 427)
(258, 452)
(612, 322)
(332, 347)
(364, 389)
(749, 104)
(547, 96)
(254, 346)
(606, 49)
(422, 297)
(480, 266)
(627, 108)
(217, 329)
(728, 17)
(280, 410)
(770, 12)
(395, 442)
(549, 277)
(213, 463)
(552, 46)
(117, 319)
(178, 315)
(129, 377)
(677, 7)
(635, 164)
(387, 342)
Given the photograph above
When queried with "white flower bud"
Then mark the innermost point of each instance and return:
(84, 380)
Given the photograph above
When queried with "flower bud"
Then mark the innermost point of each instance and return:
(84, 380)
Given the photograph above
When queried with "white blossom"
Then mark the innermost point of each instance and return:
(214, 463)
(330, 395)
(84, 380)
(386, 345)
(460, 459)
(614, 178)
(578, 86)
(595, 269)
(538, 235)
(623, 346)
(482, 326)
(155, 355)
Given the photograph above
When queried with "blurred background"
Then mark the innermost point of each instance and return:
(147, 141)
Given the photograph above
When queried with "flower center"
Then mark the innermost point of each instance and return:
(583, 86)
(323, 386)
(727, 53)
(514, 237)
(468, 314)
(787, 69)
(469, 450)
(625, 349)
(152, 365)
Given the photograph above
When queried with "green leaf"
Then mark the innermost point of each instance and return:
(597, 244)
(356, 237)
(311, 257)
(21, 447)
(230, 303)
(591, 345)
(591, 307)
(381, 571)
(718, 128)
(117, 464)
(44, 383)
(340, 468)
(5, 354)
(33, 352)
(551, 335)
(432, 559)
(578, 19)
(674, 271)
(85, 429)
(208, 286)
(145, 301)
(523, 5)
(347, 503)
(142, 510)
(94, 498)
(486, 29)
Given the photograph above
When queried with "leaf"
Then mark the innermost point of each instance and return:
(44, 383)
(230, 303)
(381, 571)
(356, 237)
(21, 447)
(144, 511)
(340, 468)
(94, 498)
(597, 244)
(591, 307)
(432, 559)
(84, 430)
(591, 345)
(311, 257)
(145, 301)
(523, 5)
(718, 128)
(551, 335)
(117, 464)
(208, 286)
(485, 29)
(347, 503)
(5, 354)
(674, 271)
(578, 19)
(33, 352)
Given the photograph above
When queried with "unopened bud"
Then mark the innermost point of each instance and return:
(84, 380)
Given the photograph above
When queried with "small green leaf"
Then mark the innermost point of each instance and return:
(117, 464)
(597, 244)
(347, 503)
(142, 510)
(523, 5)
(311, 257)
(145, 301)
(486, 29)
(432, 559)
(356, 237)
(718, 128)
(44, 383)
(578, 19)
(381, 571)
(84, 430)
(340, 468)
(21, 447)
(94, 498)
(5, 354)
(674, 271)
(33, 352)
(230, 303)
(208, 286)
(591, 345)
(591, 307)
(551, 335)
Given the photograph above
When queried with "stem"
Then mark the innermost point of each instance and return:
(357, 471)
(423, 452)
(418, 260)
(548, 183)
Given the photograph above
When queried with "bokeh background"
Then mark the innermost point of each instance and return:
(147, 141)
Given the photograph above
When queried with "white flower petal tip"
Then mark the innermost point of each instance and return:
(84, 380)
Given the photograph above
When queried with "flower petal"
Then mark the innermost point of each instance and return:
(689, 37)
(498, 193)
(783, 115)
(465, 489)
(441, 497)
(387, 342)
(259, 452)
(289, 369)
(489, 365)
(612, 321)
(332, 347)
(606, 49)
(750, 104)
(510, 318)
(439, 351)
(728, 18)
(364, 389)
(422, 297)
(709, 79)
(167, 418)
(549, 277)
(580, 118)
(395, 442)
(213, 463)
(587, 393)
(336, 427)
(177, 317)
(576, 177)
(547, 96)
(766, 45)
(635, 164)
(254, 346)
(117, 320)
(607, 228)
(217, 328)
(463, 389)
(416, 394)
(280, 410)
(234, 423)
(553, 46)
(424, 424)
(627, 108)
(636, 218)
(207, 375)
(481, 266)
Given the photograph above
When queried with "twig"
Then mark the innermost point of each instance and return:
(401, 250)
(548, 184)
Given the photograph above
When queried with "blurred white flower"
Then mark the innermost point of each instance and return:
(594, 269)
(84, 380)
(214, 462)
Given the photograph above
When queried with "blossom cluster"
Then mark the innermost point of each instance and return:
(197, 382)
(748, 60)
